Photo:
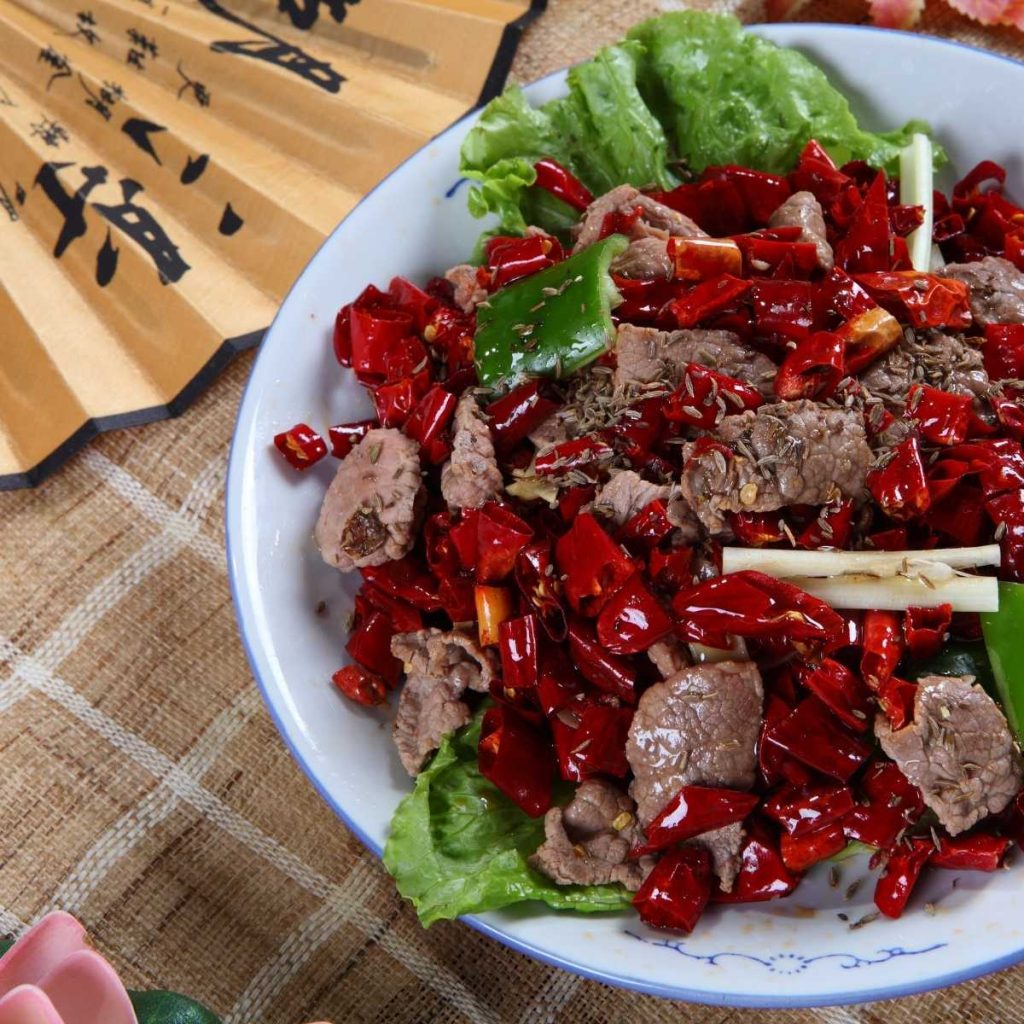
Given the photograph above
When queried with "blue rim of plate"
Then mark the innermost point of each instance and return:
(701, 996)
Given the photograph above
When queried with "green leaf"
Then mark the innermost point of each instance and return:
(727, 96)
(459, 846)
(1004, 640)
(602, 131)
(687, 85)
(155, 1007)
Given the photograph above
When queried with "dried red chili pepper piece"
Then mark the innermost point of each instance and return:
(762, 193)
(1003, 351)
(831, 528)
(429, 421)
(376, 333)
(883, 647)
(559, 684)
(865, 247)
(811, 734)
(751, 604)
(804, 851)
(942, 417)
(756, 529)
(900, 874)
(590, 739)
(813, 368)
(510, 259)
(816, 173)
(493, 606)
(518, 647)
(516, 758)
(301, 446)
(926, 629)
(535, 575)
(897, 482)
(632, 619)
(693, 811)
(893, 804)
(677, 890)
(403, 616)
(924, 300)
(599, 666)
(671, 569)
(1009, 412)
(572, 500)
(649, 526)
(841, 691)
(370, 646)
(395, 401)
(405, 578)
(592, 564)
(803, 809)
(707, 298)
(500, 536)
(516, 415)
(450, 333)
(960, 515)
(768, 252)
(977, 852)
(579, 454)
(784, 309)
(705, 397)
(345, 436)
(361, 686)
(562, 184)
(868, 335)
(774, 764)
(701, 259)
(896, 700)
(458, 599)
(762, 875)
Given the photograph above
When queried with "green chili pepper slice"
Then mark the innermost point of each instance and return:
(1004, 639)
(551, 323)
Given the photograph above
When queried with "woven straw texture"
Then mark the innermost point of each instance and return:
(144, 788)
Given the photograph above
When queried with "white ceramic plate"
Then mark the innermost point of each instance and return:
(795, 952)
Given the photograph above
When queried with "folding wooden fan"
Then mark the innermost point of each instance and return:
(168, 166)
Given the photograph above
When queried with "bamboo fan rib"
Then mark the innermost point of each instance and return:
(168, 166)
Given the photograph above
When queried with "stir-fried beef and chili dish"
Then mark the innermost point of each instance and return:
(690, 515)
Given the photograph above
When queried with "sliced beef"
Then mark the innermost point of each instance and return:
(471, 476)
(469, 293)
(943, 361)
(959, 751)
(791, 453)
(587, 842)
(374, 505)
(439, 667)
(997, 289)
(645, 354)
(802, 210)
(698, 728)
(669, 656)
(655, 221)
(646, 257)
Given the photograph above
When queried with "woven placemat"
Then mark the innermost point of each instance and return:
(144, 788)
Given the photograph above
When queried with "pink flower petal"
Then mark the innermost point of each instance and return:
(992, 12)
(895, 13)
(40, 949)
(27, 1005)
(85, 989)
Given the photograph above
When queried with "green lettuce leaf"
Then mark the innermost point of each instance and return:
(459, 846)
(728, 96)
(602, 131)
(687, 86)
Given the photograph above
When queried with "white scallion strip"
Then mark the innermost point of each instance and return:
(785, 563)
(896, 593)
(916, 186)
(703, 655)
